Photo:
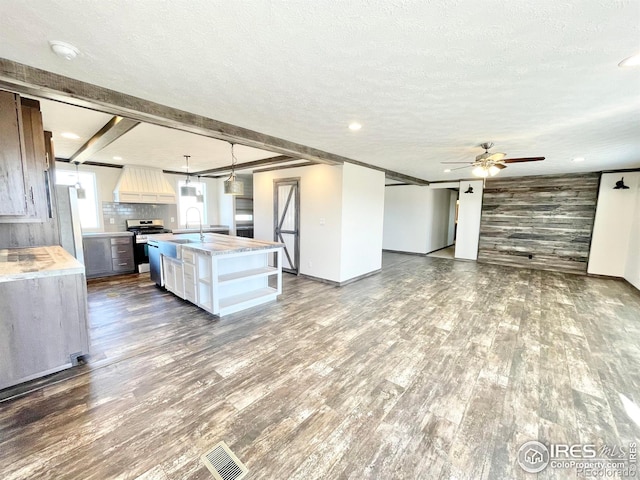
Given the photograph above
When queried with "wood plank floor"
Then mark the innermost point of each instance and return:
(432, 369)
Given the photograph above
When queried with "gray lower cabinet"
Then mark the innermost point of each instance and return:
(104, 256)
(43, 326)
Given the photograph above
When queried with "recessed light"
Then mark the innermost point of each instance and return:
(64, 50)
(578, 159)
(632, 61)
(70, 136)
(447, 170)
(117, 158)
(355, 126)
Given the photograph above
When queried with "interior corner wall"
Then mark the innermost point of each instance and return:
(363, 193)
(453, 204)
(405, 223)
(632, 271)
(469, 214)
(613, 230)
(320, 216)
(437, 214)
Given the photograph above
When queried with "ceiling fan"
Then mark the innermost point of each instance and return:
(489, 164)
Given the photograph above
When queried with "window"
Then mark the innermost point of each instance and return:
(192, 203)
(87, 206)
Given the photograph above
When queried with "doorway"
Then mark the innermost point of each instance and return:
(444, 222)
(286, 216)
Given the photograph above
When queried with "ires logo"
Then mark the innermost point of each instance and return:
(561, 451)
(534, 456)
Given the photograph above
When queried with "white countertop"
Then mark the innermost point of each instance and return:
(37, 262)
(216, 244)
(217, 228)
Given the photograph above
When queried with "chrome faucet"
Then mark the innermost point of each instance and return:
(186, 222)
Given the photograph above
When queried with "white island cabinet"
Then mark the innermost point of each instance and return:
(223, 274)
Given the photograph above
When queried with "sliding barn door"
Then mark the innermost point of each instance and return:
(286, 209)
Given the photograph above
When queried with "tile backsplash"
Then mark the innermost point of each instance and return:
(134, 211)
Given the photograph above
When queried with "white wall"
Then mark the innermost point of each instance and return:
(225, 207)
(632, 271)
(453, 201)
(363, 193)
(616, 215)
(405, 222)
(416, 218)
(469, 214)
(320, 216)
(437, 216)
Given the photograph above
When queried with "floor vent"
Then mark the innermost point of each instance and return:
(223, 464)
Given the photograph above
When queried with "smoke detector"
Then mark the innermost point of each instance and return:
(64, 50)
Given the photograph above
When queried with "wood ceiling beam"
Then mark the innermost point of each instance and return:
(401, 177)
(111, 131)
(283, 167)
(24, 79)
(246, 165)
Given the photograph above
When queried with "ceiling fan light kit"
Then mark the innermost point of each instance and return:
(489, 164)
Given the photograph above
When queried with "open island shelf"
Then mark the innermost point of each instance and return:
(223, 274)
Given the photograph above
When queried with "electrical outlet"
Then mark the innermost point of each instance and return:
(322, 221)
(112, 221)
(173, 219)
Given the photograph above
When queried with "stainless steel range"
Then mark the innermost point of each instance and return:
(140, 229)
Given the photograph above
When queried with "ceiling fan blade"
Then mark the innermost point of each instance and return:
(468, 163)
(520, 160)
(466, 166)
(499, 165)
(496, 157)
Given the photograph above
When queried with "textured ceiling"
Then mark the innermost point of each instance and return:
(145, 144)
(427, 80)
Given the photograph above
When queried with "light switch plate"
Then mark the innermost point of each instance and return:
(112, 221)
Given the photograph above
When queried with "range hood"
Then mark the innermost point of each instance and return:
(143, 185)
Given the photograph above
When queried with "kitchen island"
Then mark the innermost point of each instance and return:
(43, 324)
(221, 274)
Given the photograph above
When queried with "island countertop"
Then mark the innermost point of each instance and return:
(37, 262)
(210, 229)
(217, 244)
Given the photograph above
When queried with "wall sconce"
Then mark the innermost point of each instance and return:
(620, 185)
(469, 190)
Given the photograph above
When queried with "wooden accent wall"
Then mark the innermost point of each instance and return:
(547, 217)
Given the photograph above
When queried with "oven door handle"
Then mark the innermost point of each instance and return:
(152, 245)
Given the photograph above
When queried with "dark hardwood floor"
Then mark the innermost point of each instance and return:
(432, 369)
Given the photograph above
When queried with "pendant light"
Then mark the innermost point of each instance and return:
(199, 195)
(82, 194)
(186, 190)
(231, 185)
